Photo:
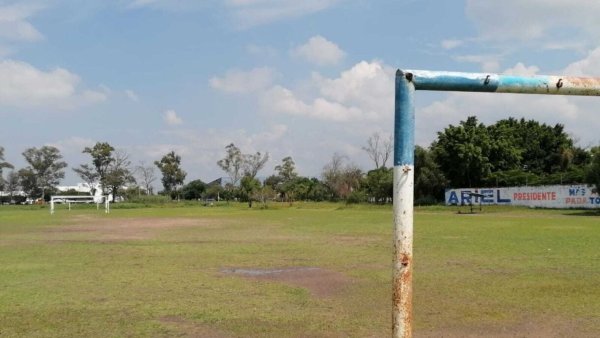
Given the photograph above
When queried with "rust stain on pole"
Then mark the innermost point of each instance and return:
(402, 296)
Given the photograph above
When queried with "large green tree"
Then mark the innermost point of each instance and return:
(253, 163)
(509, 152)
(46, 165)
(282, 181)
(249, 187)
(543, 148)
(530, 152)
(193, 190)
(593, 175)
(287, 169)
(237, 165)
(28, 182)
(119, 173)
(12, 183)
(318, 191)
(172, 173)
(110, 168)
(102, 158)
(462, 153)
(429, 179)
(232, 163)
(505, 152)
(340, 177)
(301, 188)
(379, 184)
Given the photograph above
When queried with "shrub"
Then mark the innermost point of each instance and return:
(150, 199)
(356, 197)
(426, 200)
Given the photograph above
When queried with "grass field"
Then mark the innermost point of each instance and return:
(311, 270)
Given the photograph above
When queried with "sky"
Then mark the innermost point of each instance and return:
(305, 79)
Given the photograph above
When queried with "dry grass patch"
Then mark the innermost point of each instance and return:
(122, 229)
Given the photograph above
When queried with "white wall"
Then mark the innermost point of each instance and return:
(550, 196)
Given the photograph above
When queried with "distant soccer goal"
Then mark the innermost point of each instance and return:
(68, 200)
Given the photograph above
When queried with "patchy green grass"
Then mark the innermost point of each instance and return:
(162, 271)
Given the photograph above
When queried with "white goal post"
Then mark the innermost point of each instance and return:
(80, 199)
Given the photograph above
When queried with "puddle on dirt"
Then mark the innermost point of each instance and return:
(320, 282)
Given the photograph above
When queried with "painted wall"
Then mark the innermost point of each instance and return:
(550, 196)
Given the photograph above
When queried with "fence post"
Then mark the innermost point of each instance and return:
(404, 141)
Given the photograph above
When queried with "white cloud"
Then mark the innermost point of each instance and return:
(92, 96)
(168, 5)
(279, 99)
(244, 13)
(489, 63)
(143, 3)
(262, 51)
(320, 51)
(527, 20)
(275, 133)
(14, 25)
(589, 66)
(5, 51)
(132, 95)
(282, 100)
(248, 142)
(368, 85)
(248, 13)
(24, 86)
(521, 70)
(73, 145)
(170, 117)
(156, 151)
(238, 81)
(451, 43)
(364, 92)
(105, 89)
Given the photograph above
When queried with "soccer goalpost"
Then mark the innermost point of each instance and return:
(80, 199)
(407, 82)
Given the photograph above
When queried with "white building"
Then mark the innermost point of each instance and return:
(80, 188)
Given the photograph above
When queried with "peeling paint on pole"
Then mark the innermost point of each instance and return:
(406, 83)
(494, 83)
(404, 145)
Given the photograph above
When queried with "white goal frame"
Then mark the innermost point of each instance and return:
(80, 199)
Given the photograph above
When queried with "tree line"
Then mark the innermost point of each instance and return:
(109, 168)
(510, 152)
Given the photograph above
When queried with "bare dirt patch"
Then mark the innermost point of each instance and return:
(356, 240)
(85, 228)
(547, 328)
(190, 329)
(320, 282)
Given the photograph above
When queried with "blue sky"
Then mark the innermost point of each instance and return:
(293, 78)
